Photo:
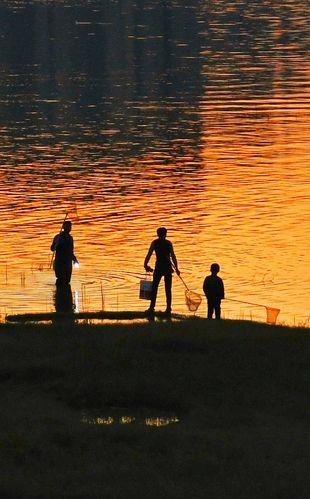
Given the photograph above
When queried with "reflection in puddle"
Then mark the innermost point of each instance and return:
(122, 420)
(161, 421)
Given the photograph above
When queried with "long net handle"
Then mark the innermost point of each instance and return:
(245, 302)
(183, 282)
(181, 279)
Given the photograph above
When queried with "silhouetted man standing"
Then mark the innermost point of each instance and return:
(64, 254)
(163, 267)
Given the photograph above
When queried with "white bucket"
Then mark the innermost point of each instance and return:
(145, 289)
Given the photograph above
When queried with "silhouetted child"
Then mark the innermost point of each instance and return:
(213, 288)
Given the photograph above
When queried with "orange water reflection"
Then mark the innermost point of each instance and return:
(206, 135)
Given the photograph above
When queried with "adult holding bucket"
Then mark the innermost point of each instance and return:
(165, 262)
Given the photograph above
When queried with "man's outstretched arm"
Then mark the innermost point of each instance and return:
(147, 258)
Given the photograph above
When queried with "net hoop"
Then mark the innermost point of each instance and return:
(192, 300)
(272, 315)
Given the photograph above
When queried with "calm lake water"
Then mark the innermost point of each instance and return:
(192, 115)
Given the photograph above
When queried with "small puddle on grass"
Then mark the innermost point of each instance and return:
(126, 420)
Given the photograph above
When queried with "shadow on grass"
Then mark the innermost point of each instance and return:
(241, 390)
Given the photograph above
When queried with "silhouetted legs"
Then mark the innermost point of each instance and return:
(214, 306)
(63, 271)
(168, 284)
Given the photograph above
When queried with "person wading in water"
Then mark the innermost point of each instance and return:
(163, 267)
(64, 254)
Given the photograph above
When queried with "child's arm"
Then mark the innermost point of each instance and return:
(222, 290)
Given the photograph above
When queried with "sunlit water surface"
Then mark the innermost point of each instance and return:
(143, 114)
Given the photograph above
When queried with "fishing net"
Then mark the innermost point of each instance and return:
(272, 314)
(192, 300)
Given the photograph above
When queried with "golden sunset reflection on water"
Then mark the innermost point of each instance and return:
(210, 141)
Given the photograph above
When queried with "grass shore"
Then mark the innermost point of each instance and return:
(239, 389)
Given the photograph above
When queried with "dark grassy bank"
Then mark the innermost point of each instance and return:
(240, 390)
